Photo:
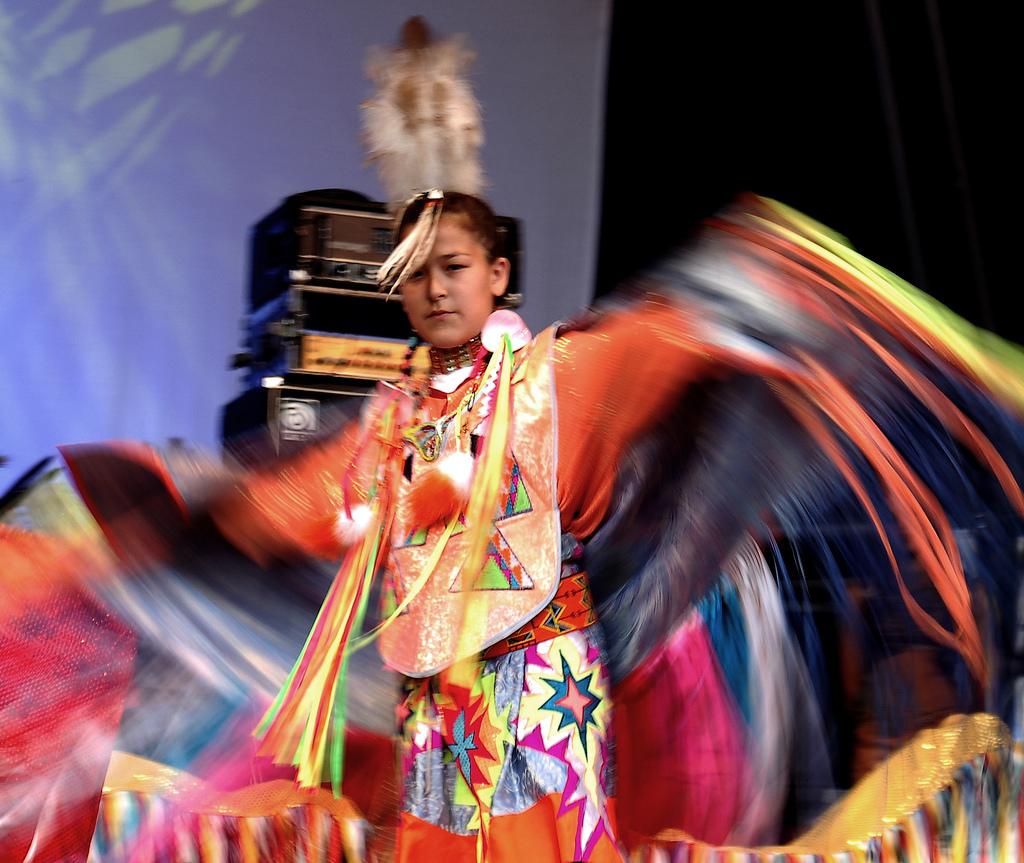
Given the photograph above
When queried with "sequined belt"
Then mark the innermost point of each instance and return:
(571, 608)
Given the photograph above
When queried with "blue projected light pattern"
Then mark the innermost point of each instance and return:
(112, 183)
(141, 139)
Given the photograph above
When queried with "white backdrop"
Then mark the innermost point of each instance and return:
(140, 139)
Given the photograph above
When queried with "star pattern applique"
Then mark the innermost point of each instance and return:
(551, 665)
(573, 701)
(463, 745)
(475, 734)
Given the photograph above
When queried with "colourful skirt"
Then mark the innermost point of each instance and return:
(513, 762)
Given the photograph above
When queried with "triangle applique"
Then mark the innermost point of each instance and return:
(517, 498)
(502, 571)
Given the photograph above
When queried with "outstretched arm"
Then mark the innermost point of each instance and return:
(290, 508)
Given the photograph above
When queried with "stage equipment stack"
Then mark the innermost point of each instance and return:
(318, 332)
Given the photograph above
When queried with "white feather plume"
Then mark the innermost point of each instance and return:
(423, 126)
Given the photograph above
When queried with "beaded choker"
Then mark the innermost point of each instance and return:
(445, 360)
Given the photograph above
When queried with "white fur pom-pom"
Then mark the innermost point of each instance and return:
(350, 530)
(458, 467)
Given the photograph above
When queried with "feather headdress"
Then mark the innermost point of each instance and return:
(422, 128)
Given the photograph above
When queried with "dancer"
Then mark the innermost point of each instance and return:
(472, 496)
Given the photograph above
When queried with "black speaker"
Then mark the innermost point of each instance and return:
(281, 420)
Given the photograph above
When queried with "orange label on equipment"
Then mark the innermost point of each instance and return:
(357, 357)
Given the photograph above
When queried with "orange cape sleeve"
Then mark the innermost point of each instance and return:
(612, 381)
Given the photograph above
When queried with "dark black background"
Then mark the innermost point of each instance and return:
(888, 121)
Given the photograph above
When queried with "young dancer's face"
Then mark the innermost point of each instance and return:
(450, 297)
